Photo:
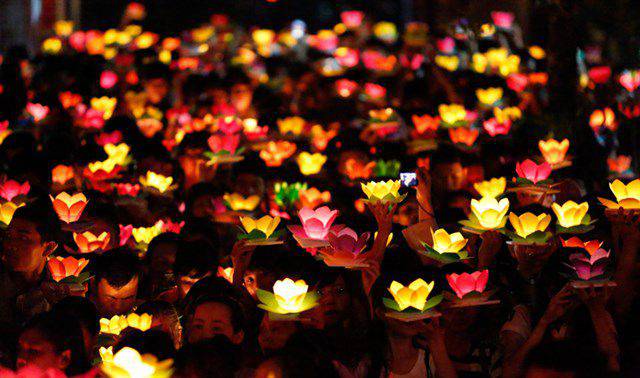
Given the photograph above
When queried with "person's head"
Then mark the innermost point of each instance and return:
(52, 340)
(336, 300)
(216, 316)
(86, 313)
(30, 237)
(160, 257)
(216, 357)
(155, 83)
(241, 93)
(165, 317)
(116, 279)
(447, 172)
(194, 261)
(264, 269)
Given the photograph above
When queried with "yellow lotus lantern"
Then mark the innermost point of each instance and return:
(262, 228)
(510, 113)
(51, 46)
(118, 323)
(385, 191)
(487, 214)
(489, 96)
(627, 196)
(6, 212)
(156, 181)
(443, 242)
(571, 214)
(448, 62)
(453, 113)
(288, 297)
(293, 125)
(385, 31)
(491, 188)
(128, 363)
(237, 202)
(554, 152)
(310, 164)
(263, 37)
(415, 295)
(63, 28)
(105, 105)
(479, 62)
(117, 153)
(144, 235)
(107, 166)
(530, 226)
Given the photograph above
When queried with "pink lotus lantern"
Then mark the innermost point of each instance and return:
(10, 189)
(347, 57)
(37, 111)
(108, 79)
(347, 243)
(493, 127)
(465, 283)
(125, 233)
(229, 125)
(127, 189)
(600, 74)
(103, 139)
(88, 118)
(219, 143)
(352, 19)
(502, 20)
(630, 80)
(517, 82)
(446, 45)
(375, 91)
(532, 171)
(77, 40)
(414, 62)
(589, 267)
(345, 87)
(315, 223)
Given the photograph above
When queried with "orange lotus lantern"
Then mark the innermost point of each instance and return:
(69, 99)
(313, 198)
(69, 207)
(293, 125)
(61, 268)
(425, 124)
(463, 135)
(87, 242)
(619, 164)
(358, 169)
(276, 152)
(603, 118)
(60, 174)
(554, 152)
(320, 137)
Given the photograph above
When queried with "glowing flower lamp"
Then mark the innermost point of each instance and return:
(69, 207)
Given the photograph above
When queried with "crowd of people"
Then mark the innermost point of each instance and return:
(369, 200)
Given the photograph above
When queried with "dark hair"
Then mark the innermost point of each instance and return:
(195, 259)
(164, 238)
(214, 357)
(238, 318)
(65, 334)
(80, 308)
(153, 341)
(40, 213)
(118, 267)
(567, 356)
